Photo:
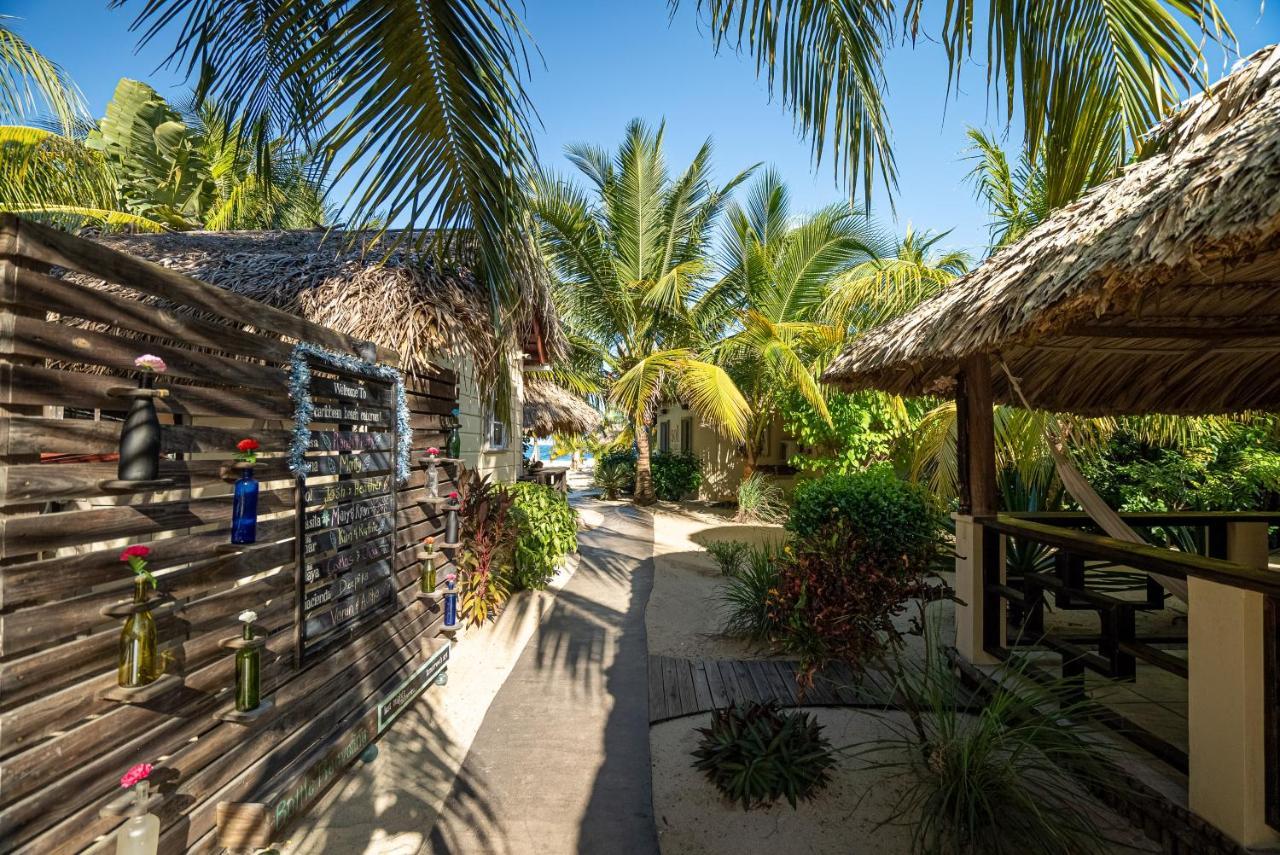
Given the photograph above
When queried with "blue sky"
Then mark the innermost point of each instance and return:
(604, 62)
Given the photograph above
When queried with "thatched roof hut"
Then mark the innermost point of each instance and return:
(349, 283)
(549, 409)
(1158, 291)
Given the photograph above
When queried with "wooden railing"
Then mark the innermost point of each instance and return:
(1117, 647)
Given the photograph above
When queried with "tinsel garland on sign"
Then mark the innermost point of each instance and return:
(300, 391)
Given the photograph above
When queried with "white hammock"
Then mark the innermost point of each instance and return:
(1094, 505)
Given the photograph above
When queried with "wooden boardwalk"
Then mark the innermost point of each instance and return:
(679, 687)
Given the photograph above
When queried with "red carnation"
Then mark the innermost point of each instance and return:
(433, 451)
(247, 450)
(135, 551)
(137, 773)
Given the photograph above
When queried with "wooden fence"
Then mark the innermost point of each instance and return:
(63, 745)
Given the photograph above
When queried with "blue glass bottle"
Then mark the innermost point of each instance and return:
(450, 605)
(244, 509)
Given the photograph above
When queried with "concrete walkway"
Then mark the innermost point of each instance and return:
(563, 750)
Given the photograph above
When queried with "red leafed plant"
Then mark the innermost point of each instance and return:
(488, 538)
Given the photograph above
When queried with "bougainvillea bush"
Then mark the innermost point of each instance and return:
(862, 549)
(546, 530)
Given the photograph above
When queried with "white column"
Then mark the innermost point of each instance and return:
(969, 590)
(1226, 697)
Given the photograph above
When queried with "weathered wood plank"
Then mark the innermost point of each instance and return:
(55, 481)
(670, 687)
(40, 340)
(50, 246)
(66, 298)
(684, 686)
(721, 696)
(701, 688)
(51, 387)
(657, 699)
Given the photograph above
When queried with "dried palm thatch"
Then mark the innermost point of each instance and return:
(549, 409)
(1158, 291)
(347, 282)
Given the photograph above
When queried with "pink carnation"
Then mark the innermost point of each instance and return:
(135, 551)
(138, 773)
(433, 451)
(451, 578)
(150, 362)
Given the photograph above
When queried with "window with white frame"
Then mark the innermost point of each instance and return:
(495, 429)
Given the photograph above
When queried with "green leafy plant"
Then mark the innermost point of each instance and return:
(1008, 778)
(546, 530)
(760, 500)
(614, 475)
(729, 555)
(488, 536)
(745, 597)
(757, 754)
(862, 549)
(676, 475)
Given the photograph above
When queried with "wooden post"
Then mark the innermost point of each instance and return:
(980, 432)
(1226, 697)
(979, 552)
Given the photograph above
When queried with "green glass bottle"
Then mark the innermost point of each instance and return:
(248, 669)
(427, 579)
(138, 655)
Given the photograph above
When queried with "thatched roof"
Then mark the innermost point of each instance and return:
(1158, 291)
(402, 301)
(549, 409)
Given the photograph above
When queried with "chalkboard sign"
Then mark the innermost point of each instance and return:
(346, 511)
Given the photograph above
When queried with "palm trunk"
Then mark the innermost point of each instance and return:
(644, 473)
(748, 461)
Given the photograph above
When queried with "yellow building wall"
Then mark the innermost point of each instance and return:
(500, 464)
(720, 458)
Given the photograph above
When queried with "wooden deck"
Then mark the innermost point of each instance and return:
(680, 687)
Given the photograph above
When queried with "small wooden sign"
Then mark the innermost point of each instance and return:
(399, 698)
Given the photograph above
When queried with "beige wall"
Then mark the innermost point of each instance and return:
(500, 464)
(721, 462)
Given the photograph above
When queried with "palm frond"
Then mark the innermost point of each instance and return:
(29, 79)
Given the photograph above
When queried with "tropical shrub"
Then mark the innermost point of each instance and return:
(1010, 778)
(862, 548)
(624, 463)
(546, 530)
(863, 429)
(675, 475)
(758, 754)
(746, 595)
(488, 537)
(614, 476)
(760, 500)
(728, 555)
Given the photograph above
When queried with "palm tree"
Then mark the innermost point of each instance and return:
(424, 103)
(1077, 69)
(776, 271)
(29, 79)
(629, 259)
(886, 285)
(147, 167)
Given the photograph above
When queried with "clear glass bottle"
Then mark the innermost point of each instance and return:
(140, 833)
(244, 509)
(138, 657)
(248, 673)
(433, 478)
(454, 446)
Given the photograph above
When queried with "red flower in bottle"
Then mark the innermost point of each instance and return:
(137, 773)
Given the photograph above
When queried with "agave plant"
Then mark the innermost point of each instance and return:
(756, 754)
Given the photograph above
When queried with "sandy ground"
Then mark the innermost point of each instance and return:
(684, 613)
(390, 805)
(845, 818)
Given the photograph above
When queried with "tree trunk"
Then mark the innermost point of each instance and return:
(748, 461)
(644, 473)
